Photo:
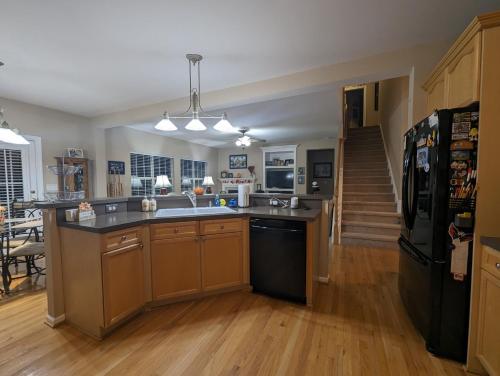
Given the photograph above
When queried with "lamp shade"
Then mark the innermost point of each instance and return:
(165, 124)
(224, 125)
(208, 181)
(10, 137)
(162, 181)
(196, 125)
(136, 182)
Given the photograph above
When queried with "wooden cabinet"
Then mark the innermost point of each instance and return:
(435, 94)
(455, 82)
(218, 226)
(488, 346)
(175, 267)
(221, 259)
(462, 75)
(174, 230)
(122, 282)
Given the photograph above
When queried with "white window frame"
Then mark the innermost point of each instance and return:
(153, 178)
(192, 177)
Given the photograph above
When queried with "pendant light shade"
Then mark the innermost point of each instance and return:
(224, 125)
(196, 125)
(8, 135)
(165, 124)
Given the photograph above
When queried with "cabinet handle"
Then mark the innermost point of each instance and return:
(222, 227)
(124, 237)
(497, 265)
(176, 230)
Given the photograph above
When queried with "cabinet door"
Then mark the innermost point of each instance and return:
(463, 74)
(221, 260)
(122, 282)
(175, 267)
(488, 348)
(435, 95)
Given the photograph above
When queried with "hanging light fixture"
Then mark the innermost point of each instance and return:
(9, 135)
(194, 112)
(244, 140)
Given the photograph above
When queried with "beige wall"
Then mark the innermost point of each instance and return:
(57, 130)
(121, 141)
(394, 123)
(254, 154)
(372, 117)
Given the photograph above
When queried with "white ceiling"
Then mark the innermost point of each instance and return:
(302, 117)
(93, 57)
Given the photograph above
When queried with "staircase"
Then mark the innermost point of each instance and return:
(369, 214)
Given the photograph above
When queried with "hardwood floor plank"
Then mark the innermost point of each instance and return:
(358, 326)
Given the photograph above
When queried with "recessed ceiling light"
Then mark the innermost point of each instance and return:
(1, 63)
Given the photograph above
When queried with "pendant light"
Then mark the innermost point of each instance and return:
(194, 112)
(9, 135)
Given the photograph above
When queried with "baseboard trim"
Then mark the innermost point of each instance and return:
(54, 321)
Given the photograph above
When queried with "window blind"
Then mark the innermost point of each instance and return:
(192, 173)
(11, 176)
(144, 170)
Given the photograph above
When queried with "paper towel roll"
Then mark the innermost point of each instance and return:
(243, 195)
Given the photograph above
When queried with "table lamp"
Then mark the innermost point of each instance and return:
(208, 182)
(163, 183)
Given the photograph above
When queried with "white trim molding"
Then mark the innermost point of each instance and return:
(54, 321)
(394, 190)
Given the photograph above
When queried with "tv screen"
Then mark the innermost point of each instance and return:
(282, 179)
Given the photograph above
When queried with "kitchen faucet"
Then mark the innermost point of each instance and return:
(191, 196)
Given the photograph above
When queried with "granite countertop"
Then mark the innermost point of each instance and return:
(74, 203)
(491, 242)
(117, 221)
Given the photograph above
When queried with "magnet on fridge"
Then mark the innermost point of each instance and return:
(427, 167)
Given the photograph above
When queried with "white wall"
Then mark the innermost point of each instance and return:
(121, 141)
(394, 123)
(58, 130)
(254, 155)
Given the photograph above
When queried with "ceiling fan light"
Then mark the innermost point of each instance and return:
(224, 125)
(196, 125)
(165, 124)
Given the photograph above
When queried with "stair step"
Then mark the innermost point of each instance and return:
(379, 188)
(372, 149)
(364, 159)
(364, 165)
(367, 179)
(370, 216)
(362, 142)
(369, 240)
(365, 172)
(391, 229)
(364, 130)
(369, 206)
(368, 196)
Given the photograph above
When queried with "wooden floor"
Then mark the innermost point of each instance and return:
(358, 327)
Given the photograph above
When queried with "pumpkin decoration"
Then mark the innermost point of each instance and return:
(199, 191)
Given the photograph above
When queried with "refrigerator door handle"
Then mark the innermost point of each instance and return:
(407, 249)
(406, 176)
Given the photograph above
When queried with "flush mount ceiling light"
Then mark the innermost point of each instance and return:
(194, 112)
(9, 135)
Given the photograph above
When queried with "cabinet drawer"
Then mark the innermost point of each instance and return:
(219, 226)
(491, 261)
(174, 230)
(118, 239)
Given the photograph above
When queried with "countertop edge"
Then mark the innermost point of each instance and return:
(141, 221)
(492, 242)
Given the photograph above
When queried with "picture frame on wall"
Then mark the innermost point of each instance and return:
(301, 171)
(301, 179)
(73, 153)
(322, 170)
(238, 161)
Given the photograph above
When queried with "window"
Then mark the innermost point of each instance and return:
(192, 173)
(144, 170)
(11, 176)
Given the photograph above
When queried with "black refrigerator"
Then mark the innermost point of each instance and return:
(438, 203)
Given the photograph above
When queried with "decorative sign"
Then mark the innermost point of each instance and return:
(116, 167)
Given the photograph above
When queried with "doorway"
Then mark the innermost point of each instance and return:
(354, 107)
(320, 169)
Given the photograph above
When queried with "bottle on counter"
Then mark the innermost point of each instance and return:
(152, 204)
(145, 204)
(217, 200)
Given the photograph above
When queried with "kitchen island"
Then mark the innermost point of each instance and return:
(103, 271)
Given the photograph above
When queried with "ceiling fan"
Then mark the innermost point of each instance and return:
(244, 140)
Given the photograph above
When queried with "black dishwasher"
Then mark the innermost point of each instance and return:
(278, 258)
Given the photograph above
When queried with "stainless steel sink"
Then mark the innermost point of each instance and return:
(189, 212)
